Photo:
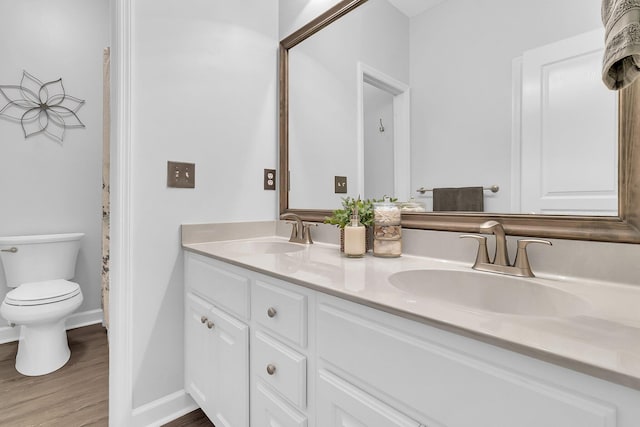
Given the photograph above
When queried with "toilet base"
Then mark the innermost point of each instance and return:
(42, 349)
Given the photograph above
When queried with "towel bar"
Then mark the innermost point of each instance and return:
(493, 189)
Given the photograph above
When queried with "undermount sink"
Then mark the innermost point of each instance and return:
(489, 292)
(266, 247)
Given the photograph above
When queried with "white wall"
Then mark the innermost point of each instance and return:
(204, 90)
(456, 140)
(47, 186)
(204, 76)
(323, 98)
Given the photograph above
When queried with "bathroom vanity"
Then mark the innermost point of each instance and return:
(285, 334)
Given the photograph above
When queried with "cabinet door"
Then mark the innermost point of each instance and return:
(228, 405)
(450, 386)
(340, 404)
(197, 349)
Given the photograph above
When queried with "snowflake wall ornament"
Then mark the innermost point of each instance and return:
(40, 107)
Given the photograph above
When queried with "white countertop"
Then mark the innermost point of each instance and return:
(605, 342)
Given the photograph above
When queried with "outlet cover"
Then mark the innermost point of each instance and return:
(340, 184)
(181, 175)
(269, 179)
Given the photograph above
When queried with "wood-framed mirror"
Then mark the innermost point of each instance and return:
(622, 227)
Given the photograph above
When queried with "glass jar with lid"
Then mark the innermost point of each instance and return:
(387, 231)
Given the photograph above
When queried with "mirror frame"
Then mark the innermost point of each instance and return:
(624, 228)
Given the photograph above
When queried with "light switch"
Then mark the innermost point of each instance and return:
(340, 184)
(181, 175)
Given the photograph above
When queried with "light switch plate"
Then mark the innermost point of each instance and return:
(269, 179)
(181, 175)
(340, 184)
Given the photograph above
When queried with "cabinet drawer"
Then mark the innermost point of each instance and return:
(220, 286)
(282, 368)
(281, 311)
(269, 410)
(435, 379)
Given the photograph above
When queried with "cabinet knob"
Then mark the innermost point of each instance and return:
(271, 369)
(271, 312)
(210, 324)
(203, 319)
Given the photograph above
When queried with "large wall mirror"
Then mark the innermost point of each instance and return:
(402, 97)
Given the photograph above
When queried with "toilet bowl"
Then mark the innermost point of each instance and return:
(38, 267)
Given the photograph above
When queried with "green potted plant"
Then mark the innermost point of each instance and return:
(342, 217)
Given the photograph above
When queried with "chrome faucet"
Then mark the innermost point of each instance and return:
(501, 263)
(300, 231)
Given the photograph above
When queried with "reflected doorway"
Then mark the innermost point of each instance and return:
(378, 142)
(388, 173)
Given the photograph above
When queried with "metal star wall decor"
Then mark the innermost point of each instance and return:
(40, 107)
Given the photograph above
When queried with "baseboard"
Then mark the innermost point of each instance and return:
(85, 318)
(9, 334)
(76, 320)
(163, 410)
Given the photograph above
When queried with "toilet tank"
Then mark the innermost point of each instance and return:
(39, 257)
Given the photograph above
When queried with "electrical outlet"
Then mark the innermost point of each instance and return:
(340, 184)
(181, 175)
(269, 179)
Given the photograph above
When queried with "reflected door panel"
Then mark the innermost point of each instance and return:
(569, 130)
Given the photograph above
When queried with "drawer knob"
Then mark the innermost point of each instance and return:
(203, 319)
(271, 312)
(271, 369)
(210, 324)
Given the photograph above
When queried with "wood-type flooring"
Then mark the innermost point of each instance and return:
(192, 419)
(75, 395)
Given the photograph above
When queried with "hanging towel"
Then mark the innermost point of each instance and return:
(470, 199)
(621, 61)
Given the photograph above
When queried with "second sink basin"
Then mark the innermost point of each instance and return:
(489, 292)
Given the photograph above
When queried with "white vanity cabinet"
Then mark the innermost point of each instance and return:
(220, 327)
(317, 360)
(370, 362)
(216, 344)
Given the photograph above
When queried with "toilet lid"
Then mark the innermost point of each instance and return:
(38, 293)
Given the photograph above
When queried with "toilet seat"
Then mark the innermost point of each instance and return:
(40, 293)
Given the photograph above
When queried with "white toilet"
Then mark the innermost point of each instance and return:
(38, 267)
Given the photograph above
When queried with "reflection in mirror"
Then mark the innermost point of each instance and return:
(502, 92)
(378, 141)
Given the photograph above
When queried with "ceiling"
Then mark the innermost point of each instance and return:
(412, 8)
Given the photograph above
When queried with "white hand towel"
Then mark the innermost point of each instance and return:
(621, 62)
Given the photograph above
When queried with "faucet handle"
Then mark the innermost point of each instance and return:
(483, 255)
(522, 259)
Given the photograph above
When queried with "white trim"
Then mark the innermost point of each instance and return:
(516, 133)
(84, 318)
(402, 127)
(163, 410)
(120, 312)
(76, 320)
(9, 334)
